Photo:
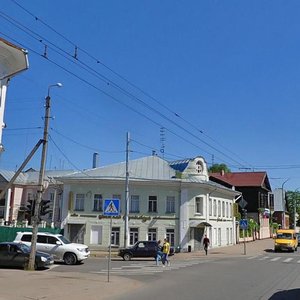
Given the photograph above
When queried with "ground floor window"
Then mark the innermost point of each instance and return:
(96, 234)
(133, 235)
(152, 234)
(115, 236)
(170, 235)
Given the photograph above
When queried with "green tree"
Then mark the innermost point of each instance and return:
(217, 168)
(293, 198)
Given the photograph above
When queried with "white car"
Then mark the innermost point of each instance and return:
(57, 245)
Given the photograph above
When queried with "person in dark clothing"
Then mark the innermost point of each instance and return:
(206, 243)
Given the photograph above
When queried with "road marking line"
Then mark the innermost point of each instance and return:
(264, 258)
(274, 259)
(288, 260)
(252, 257)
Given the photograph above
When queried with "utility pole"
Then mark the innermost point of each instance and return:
(40, 190)
(126, 229)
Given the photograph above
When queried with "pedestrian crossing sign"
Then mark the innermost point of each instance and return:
(111, 207)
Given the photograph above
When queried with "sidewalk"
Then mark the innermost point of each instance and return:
(44, 285)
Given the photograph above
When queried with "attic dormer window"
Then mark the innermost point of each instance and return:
(199, 167)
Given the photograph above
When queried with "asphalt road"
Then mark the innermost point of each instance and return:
(271, 276)
(268, 275)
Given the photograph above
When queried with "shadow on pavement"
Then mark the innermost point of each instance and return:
(286, 295)
(269, 250)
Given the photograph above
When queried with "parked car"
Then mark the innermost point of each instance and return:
(17, 255)
(141, 249)
(57, 245)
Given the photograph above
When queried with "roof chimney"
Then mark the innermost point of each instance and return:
(95, 160)
(222, 172)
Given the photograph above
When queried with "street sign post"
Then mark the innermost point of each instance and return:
(244, 226)
(111, 208)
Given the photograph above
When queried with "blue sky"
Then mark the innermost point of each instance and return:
(222, 78)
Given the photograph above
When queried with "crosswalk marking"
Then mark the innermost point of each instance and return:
(149, 269)
(275, 258)
(264, 258)
(288, 260)
(253, 257)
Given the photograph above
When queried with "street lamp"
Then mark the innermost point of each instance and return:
(41, 180)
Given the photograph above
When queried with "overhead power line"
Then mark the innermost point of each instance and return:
(102, 77)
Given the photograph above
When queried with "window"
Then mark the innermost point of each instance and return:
(98, 202)
(115, 236)
(26, 238)
(152, 234)
(170, 205)
(133, 235)
(215, 208)
(96, 234)
(51, 196)
(52, 240)
(134, 204)
(199, 167)
(230, 210)
(210, 206)
(170, 235)
(152, 204)
(227, 214)
(199, 205)
(79, 202)
(42, 239)
(219, 208)
(223, 209)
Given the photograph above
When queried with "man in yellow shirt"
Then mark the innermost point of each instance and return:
(166, 252)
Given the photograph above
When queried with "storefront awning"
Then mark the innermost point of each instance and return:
(197, 223)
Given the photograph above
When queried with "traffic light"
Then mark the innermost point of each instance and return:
(45, 207)
(31, 207)
(244, 214)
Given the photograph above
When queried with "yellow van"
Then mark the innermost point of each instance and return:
(286, 239)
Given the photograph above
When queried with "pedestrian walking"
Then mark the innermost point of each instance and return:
(159, 253)
(206, 243)
(166, 252)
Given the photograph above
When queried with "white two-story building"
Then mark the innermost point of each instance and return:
(166, 199)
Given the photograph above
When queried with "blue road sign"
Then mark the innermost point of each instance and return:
(243, 224)
(111, 207)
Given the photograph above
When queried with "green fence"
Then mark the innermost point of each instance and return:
(8, 234)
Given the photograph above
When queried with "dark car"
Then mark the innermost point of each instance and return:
(17, 255)
(142, 249)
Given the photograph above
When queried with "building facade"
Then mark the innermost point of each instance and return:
(174, 200)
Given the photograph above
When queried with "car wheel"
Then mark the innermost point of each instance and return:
(127, 256)
(70, 259)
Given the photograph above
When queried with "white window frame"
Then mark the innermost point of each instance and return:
(152, 204)
(210, 206)
(170, 235)
(134, 204)
(170, 204)
(98, 203)
(133, 235)
(79, 202)
(115, 236)
(199, 202)
(152, 234)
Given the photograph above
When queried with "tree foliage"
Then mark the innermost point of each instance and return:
(293, 198)
(217, 168)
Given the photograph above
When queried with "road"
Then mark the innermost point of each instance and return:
(267, 275)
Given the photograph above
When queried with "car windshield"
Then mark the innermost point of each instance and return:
(287, 236)
(24, 248)
(64, 240)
